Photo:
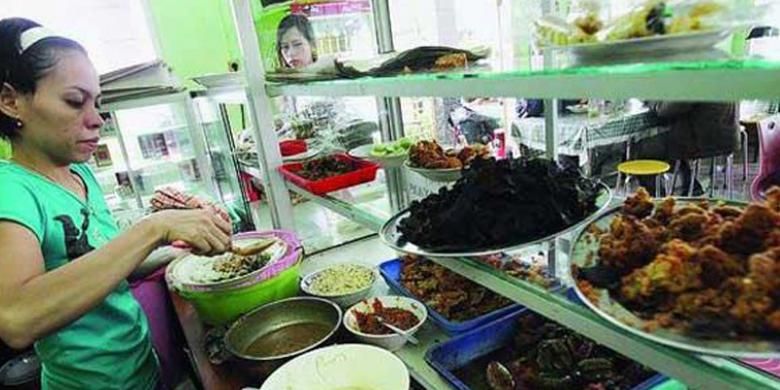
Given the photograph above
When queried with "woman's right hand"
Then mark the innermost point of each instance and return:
(205, 231)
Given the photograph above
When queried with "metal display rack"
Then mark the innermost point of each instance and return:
(698, 81)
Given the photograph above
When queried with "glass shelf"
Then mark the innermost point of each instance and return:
(722, 80)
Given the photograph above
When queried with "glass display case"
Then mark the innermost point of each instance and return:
(150, 143)
(519, 69)
(220, 146)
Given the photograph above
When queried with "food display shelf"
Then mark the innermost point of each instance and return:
(368, 217)
(696, 371)
(722, 80)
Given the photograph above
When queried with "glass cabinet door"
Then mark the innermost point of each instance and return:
(161, 149)
(219, 147)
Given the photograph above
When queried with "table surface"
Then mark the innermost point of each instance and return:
(212, 377)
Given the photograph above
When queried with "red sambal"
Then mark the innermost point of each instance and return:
(400, 318)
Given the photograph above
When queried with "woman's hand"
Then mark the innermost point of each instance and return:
(205, 231)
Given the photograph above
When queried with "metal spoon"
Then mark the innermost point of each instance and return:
(411, 339)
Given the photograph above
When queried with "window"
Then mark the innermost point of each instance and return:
(116, 33)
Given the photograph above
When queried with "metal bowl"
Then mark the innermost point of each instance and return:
(272, 318)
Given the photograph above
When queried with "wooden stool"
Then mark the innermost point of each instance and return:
(641, 168)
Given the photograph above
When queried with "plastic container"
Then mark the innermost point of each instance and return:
(223, 304)
(365, 172)
(460, 351)
(391, 272)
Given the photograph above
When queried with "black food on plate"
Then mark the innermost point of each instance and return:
(501, 203)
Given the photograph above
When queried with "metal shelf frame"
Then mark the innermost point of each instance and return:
(704, 81)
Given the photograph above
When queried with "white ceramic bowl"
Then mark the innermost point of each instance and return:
(437, 175)
(340, 367)
(343, 300)
(391, 342)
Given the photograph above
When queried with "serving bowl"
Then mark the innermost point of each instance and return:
(438, 175)
(271, 335)
(341, 367)
(392, 341)
(347, 296)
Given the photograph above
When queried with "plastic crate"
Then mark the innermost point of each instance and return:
(460, 351)
(391, 272)
(365, 171)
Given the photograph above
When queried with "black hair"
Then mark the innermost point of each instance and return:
(23, 70)
(301, 22)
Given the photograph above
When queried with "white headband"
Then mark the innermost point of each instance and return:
(33, 36)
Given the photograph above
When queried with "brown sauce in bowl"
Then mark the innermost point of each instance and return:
(288, 339)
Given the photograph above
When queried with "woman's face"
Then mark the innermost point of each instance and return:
(61, 118)
(296, 50)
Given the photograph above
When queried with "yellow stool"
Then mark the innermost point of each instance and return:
(641, 168)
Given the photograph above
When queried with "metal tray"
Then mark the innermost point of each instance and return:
(584, 253)
(392, 236)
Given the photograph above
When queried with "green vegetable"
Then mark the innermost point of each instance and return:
(392, 149)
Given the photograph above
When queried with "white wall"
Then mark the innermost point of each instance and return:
(114, 32)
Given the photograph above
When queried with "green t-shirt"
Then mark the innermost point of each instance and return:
(109, 347)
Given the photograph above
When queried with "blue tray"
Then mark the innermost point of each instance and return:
(391, 272)
(459, 351)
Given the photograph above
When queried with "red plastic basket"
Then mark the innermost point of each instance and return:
(365, 172)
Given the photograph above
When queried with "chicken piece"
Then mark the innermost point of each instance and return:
(773, 198)
(689, 209)
(639, 205)
(629, 245)
(708, 303)
(752, 307)
(672, 271)
(664, 211)
(453, 163)
(688, 227)
(728, 212)
(765, 270)
(746, 234)
(717, 266)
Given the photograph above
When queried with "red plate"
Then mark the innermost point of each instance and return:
(365, 172)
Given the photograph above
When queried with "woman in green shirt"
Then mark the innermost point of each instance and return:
(63, 265)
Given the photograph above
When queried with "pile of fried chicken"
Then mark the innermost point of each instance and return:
(704, 268)
(430, 155)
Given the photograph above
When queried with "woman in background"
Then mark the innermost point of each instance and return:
(295, 44)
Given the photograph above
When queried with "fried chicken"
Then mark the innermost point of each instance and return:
(628, 245)
(672, 271)
(639, 205)
(717, 265)
(716, 274)
(746, 234)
